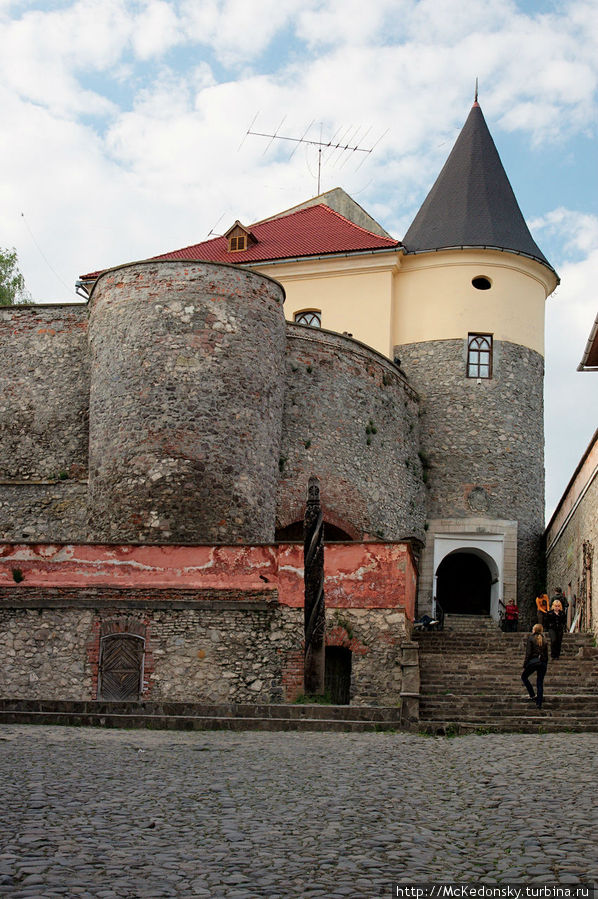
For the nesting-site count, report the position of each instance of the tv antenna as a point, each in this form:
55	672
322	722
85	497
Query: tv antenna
343	142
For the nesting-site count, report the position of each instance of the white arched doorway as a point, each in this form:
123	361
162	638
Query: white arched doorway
468	574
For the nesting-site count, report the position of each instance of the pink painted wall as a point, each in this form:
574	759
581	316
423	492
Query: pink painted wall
358	575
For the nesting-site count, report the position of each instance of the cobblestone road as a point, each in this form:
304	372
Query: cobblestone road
129	814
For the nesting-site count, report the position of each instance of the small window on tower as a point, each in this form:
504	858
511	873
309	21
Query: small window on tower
311	317
479	356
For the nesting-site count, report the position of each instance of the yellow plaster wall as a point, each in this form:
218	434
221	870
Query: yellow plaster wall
353	295
435	300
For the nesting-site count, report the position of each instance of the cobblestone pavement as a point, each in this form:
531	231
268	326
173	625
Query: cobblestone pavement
99	813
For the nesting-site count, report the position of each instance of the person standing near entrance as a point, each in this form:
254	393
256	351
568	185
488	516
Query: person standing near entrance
536	659
542	606
511	616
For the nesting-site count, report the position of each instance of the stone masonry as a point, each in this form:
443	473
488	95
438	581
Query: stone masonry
186	403
482	443
352	418
202	418
196	649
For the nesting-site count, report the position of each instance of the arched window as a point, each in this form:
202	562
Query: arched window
311	317
479	356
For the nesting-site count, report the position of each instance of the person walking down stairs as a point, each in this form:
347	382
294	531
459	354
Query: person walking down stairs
555	622
536	659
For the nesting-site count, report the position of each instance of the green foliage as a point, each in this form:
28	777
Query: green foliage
317	699
12	282
341	621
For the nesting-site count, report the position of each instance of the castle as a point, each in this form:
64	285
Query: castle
158	440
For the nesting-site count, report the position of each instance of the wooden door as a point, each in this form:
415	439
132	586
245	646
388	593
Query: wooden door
121	667
338	674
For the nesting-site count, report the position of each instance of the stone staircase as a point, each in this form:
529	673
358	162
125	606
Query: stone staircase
197	716
470	680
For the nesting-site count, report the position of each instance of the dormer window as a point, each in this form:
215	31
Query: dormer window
238	243
239	238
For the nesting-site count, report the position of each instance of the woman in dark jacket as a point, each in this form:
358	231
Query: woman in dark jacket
536	659
555	622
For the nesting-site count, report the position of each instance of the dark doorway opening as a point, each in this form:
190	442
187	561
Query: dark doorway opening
121	667
337	678
293	532
463	583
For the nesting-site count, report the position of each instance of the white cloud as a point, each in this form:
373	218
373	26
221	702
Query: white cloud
571	396
157	29
237	31
578	231
161	171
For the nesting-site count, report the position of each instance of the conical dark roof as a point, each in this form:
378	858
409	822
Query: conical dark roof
472	203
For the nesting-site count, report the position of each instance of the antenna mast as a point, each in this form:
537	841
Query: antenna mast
334	143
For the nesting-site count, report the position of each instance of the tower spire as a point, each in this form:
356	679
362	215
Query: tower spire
472	203
475	99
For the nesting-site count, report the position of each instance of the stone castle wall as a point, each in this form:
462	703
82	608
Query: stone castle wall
197	647
43	510
186	403
572	546
483	443
350	418
202	415
44	392
44	401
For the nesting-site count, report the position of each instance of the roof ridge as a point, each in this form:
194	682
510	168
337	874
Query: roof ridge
328	209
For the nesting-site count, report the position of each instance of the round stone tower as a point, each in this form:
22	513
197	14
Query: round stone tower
469	330
187	380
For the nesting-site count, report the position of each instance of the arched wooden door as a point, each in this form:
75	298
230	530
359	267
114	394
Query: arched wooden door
121	667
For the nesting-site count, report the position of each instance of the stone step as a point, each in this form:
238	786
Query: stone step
469	700
484	634
493	675
200	716
492	712
468	623
533	724
194	723
466	676
472	676
571	650
496	688
494	664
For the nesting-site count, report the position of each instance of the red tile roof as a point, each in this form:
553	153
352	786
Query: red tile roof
314	231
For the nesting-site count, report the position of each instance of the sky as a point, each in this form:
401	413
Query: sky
124	135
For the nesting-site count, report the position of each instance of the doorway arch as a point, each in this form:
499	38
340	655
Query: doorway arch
464	583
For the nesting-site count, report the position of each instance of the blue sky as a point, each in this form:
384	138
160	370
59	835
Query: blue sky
123	119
